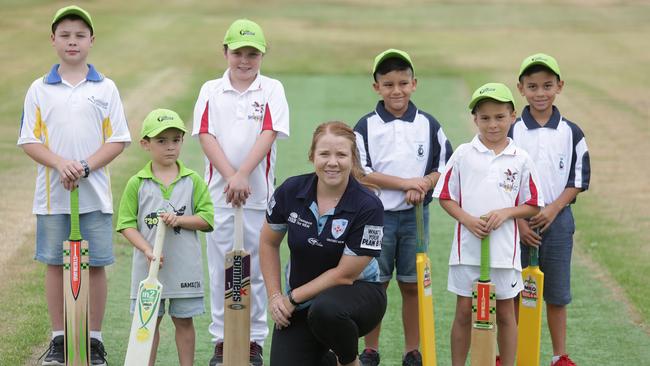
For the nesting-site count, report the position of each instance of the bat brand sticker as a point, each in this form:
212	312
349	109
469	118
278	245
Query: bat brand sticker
372	236
529	293
338	227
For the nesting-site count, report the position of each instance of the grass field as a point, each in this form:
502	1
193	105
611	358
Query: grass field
159	54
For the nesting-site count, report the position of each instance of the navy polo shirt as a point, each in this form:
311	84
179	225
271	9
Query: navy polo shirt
316	243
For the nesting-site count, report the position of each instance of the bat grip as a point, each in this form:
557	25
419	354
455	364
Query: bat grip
534	256
485	259
239	228
75	234
157	248
419	224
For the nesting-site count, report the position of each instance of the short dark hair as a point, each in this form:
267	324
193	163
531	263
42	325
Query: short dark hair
71	17
535	69
392	64
478	104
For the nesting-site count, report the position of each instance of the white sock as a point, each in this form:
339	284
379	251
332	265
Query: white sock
97	335
56	333
555	359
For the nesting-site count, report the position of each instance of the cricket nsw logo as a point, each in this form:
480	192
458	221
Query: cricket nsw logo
338	227
509	183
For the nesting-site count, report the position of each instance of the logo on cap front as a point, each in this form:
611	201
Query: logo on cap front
539	58
246	32
164	118
486	89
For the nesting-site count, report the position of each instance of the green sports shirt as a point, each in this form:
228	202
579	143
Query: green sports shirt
143	198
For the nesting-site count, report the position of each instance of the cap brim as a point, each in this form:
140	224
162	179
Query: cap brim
157	131
474	102
237	45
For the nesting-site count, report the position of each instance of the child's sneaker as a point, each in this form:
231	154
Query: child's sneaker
54	353
256	354
369	357
498	363
413	358
217	358
97	353
564	361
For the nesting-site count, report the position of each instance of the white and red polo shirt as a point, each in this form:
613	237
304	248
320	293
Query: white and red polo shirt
236	120
480	182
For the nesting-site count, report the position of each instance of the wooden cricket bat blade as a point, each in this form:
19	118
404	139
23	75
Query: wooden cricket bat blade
145	315
237	300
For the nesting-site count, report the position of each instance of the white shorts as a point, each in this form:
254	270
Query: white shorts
507	281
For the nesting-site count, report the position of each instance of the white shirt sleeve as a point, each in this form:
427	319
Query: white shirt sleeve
530	191
201	118
276	115
448	186
119	128
31	114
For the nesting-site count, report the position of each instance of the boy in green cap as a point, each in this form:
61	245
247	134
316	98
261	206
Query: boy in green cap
559	148
165	192
237	119
73	126
403	150
499	184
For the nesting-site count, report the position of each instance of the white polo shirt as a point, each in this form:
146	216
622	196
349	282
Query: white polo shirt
236	120
411	146
481	182
559	150
73	121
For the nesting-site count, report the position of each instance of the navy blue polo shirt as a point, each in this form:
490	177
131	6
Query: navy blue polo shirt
316	243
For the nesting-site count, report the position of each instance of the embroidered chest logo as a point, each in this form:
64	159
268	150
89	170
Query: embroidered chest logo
561	164
338	227
419	150
509	183
98	102
258	111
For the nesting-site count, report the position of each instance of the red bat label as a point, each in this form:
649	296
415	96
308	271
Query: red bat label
75	268
483	302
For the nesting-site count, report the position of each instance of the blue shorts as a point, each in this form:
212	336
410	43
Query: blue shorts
555	258
398	247
183	308
96	228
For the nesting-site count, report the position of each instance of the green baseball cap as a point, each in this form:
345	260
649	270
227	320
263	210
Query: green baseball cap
390	53
540	59
496	91
159	120
244	32
73	10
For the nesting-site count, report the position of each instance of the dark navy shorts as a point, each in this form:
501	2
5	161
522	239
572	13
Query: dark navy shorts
555	258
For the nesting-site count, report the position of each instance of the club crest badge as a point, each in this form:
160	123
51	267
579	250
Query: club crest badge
419	150
509	184
338	227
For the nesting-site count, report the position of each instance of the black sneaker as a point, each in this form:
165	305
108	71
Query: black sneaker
54	354
413	358
256	354
97	353
369	357
217	358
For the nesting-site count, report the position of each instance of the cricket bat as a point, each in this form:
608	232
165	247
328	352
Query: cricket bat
237	318
530	312
145	316
425	293
76	285
483	346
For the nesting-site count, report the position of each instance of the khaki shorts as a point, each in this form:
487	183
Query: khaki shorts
508	282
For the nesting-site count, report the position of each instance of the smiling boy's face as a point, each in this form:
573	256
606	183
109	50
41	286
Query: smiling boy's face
493	120
395	88
72	41
540	89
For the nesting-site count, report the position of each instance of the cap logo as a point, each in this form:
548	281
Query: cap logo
246	32
485	90
164	118
539	58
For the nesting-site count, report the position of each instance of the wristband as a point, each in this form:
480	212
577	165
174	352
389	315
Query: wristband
291	299
84	164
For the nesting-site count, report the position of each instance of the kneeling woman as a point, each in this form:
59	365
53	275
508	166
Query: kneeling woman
335	227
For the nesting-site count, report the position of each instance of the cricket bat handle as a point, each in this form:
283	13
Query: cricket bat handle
161	228
239	228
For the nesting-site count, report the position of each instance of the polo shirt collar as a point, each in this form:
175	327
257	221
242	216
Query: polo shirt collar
53	77
511	149
386	116
532	124
255	85
347	201
147	171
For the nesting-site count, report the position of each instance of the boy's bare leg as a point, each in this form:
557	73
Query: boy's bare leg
54	295
556	318
154	344
461	331
98	294
185	339
507	331
410	316
371	339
